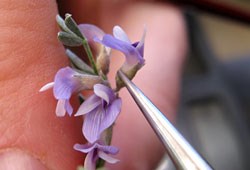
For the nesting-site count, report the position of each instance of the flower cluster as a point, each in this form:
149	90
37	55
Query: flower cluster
100	110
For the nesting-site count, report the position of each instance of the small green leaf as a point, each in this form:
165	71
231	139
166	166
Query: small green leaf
71	24
80	64
69	39
61	24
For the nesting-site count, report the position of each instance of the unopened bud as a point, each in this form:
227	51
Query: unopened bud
88	81
103	60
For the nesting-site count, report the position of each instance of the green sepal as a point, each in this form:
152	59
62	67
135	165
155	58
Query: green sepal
130	75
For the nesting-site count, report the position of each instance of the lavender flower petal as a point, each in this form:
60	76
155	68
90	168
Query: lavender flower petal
68	107
92	123
101	110
133	51
68	81
133	57
47	86
112	42
104	92
107	158
120	34
90	31
107	149
88	147
140	45
100	119
88	105
65	83
96	150
60	108
90	161
85	148
111	114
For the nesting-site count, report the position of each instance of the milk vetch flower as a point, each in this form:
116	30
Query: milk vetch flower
100	110
68	81
95	151
132	51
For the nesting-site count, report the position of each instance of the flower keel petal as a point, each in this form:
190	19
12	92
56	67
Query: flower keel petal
60	108
89	105
107	158
104	92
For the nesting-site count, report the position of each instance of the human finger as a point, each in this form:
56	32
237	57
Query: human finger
32	137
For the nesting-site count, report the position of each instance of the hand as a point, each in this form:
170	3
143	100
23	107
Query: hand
32	137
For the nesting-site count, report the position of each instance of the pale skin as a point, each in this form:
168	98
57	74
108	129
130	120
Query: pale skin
30	55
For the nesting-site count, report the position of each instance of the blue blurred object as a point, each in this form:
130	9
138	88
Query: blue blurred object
214	110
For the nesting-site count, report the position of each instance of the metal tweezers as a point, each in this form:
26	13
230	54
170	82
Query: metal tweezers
182	154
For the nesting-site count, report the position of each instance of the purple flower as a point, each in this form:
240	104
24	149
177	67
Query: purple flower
100	110
67	81
95	151
132	51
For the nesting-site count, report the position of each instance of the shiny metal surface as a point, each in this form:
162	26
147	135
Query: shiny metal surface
180	151
165	164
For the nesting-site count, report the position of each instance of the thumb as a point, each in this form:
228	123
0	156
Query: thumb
31	135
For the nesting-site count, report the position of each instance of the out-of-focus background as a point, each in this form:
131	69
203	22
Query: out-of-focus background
214	114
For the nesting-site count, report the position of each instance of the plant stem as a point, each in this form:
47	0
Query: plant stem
90	55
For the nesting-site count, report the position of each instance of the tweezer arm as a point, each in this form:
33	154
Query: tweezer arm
180	151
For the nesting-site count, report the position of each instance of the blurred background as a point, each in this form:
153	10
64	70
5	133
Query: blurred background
214	113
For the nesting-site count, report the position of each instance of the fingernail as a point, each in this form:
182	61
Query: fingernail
18	160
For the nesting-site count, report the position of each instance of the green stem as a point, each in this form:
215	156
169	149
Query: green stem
109	133
90	55
104	77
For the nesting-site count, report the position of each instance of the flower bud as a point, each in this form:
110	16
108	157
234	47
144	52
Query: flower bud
101	52
103	60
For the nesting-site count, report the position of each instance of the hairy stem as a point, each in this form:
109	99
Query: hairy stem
90	55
